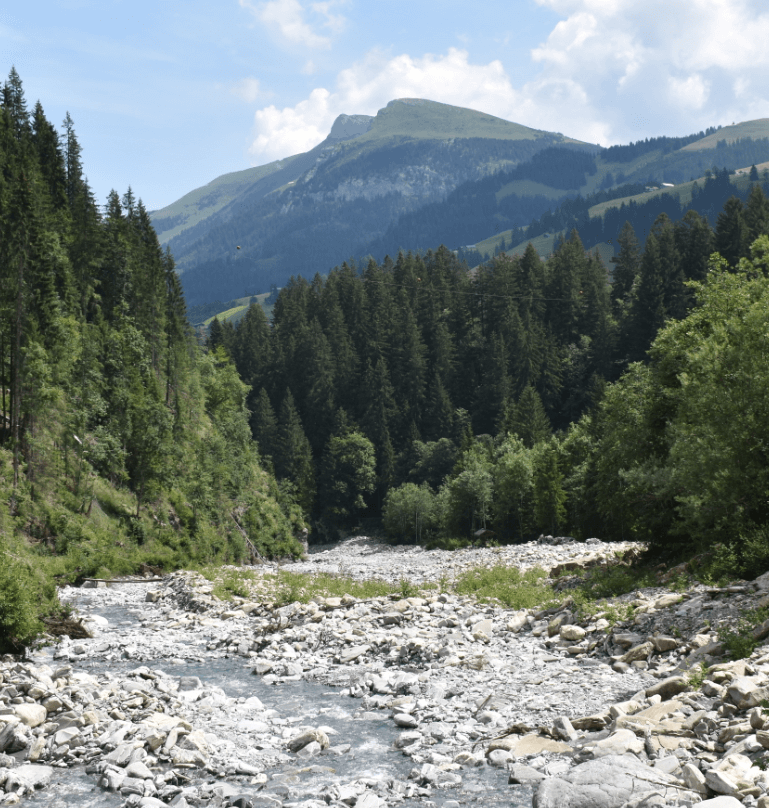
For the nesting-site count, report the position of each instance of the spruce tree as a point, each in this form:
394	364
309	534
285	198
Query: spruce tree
293	455
627	264
732	235
264	425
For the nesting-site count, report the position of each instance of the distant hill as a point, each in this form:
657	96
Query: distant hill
310	212
420	174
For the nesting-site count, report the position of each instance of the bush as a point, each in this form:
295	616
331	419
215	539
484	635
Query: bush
19	624
410	512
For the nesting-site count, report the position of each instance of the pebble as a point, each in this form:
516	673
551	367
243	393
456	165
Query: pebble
537	693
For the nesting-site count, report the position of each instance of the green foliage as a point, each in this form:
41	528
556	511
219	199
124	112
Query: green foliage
615	580
233	583
411	512
697	676
349	474
739	641
19	607
123	445
303	587
508	585
406	589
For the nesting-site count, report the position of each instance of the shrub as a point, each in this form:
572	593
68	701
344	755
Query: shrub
19	623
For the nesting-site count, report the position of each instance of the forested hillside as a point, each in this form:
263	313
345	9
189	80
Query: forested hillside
122	445
458	400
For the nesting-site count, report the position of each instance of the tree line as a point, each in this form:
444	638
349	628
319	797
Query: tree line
105	396
428	377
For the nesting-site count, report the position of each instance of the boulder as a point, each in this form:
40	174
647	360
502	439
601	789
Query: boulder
31	714
669	687
609	782
307	737
572	633
621	742
638	652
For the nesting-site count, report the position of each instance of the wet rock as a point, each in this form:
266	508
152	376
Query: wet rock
609	782
309	736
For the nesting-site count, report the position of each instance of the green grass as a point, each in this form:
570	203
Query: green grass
302	587
202	202
754	129
236	313
739	641
507	585
528	188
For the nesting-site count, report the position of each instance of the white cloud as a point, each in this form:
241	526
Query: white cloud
289	18
677	64
610	71
368	85
248	89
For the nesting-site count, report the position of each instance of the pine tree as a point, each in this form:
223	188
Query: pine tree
72	161
731	239
627	264
264	425
694	242
527	419
16	106
757	214
293	455
50	157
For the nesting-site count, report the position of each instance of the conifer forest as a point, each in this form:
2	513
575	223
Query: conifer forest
522	396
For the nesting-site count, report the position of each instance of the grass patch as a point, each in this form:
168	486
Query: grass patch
508	585
302	587
698	675
739	642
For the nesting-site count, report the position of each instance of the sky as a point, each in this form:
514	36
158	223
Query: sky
169	94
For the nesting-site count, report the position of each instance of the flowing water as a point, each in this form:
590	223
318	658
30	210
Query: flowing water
292	782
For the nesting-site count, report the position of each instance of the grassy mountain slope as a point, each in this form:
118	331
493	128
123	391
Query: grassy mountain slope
344	193
754	130
203	202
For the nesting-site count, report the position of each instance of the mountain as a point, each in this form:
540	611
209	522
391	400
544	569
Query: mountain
311	211
420	174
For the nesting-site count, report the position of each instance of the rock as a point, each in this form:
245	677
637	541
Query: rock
564	729
609	782
31	714
572	633
591	723
620	742
138	769
31	776
309	736
720	782
694	778
369	800
638	652
662	644
521	774
499	758
517	621
720	802
535	744
669	687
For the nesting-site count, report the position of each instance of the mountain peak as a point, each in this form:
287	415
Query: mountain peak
347	127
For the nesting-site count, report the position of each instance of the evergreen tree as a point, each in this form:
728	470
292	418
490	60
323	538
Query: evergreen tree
264	425
527	419
757	214
731	238
627	264
293	455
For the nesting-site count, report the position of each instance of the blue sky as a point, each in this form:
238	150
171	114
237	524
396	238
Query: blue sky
169	94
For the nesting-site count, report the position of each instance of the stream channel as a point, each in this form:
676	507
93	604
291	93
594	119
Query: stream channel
361	742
